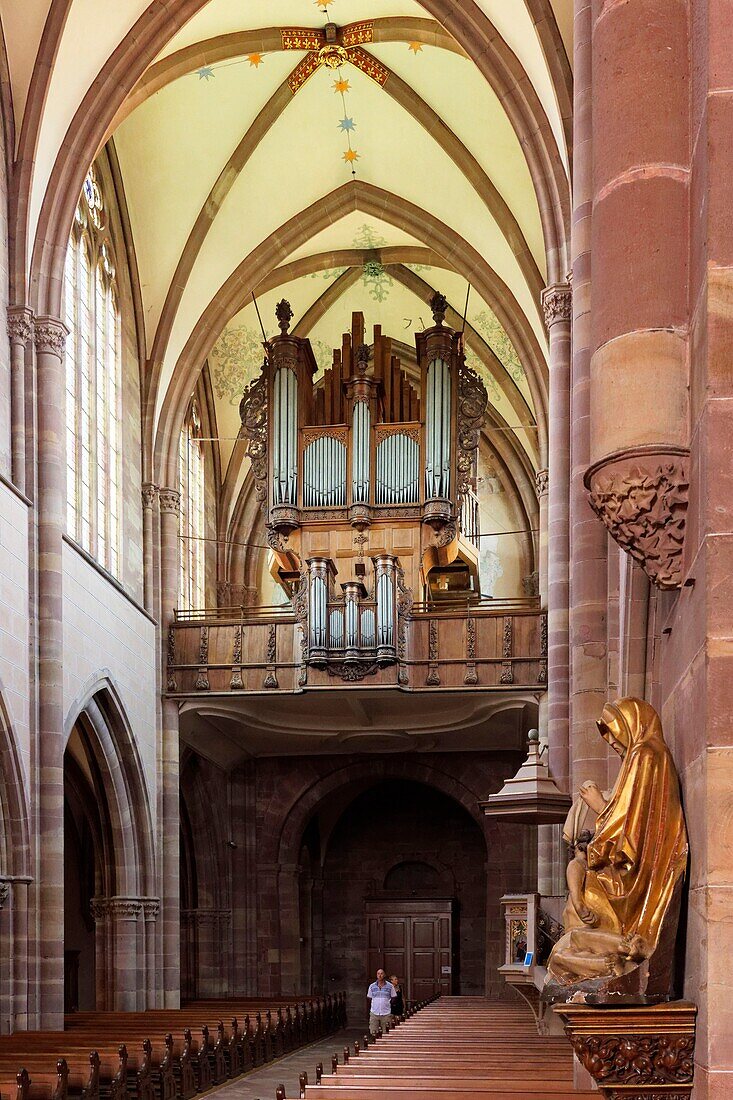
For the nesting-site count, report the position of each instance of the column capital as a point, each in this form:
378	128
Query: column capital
170	501
151	908
20	325
557	304
125	908
149	493
49	335
542	482
99	908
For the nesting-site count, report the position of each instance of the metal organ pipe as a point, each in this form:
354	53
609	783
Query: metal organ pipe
385	570
360	440
285	437
318	607
437	430
398	458
324	473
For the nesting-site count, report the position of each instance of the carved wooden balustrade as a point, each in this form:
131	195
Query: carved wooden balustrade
488	645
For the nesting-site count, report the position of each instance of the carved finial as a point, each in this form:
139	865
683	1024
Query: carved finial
439	305
533	737
284	315
362	358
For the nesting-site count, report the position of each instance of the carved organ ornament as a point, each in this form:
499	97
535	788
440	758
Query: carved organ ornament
368	446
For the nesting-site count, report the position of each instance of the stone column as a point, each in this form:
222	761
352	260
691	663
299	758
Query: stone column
639	459
151	908
50	339
545	833
20	331
99	908
125	915
556	303
588	537
20	950
170	511
150	501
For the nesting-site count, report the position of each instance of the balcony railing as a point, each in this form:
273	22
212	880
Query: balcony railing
485	645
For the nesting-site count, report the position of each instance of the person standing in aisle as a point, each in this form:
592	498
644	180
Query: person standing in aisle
380	994
398	1000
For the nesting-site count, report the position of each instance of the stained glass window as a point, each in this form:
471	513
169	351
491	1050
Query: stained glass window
93	382
191	483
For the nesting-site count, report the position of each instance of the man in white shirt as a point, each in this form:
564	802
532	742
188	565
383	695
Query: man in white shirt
380	993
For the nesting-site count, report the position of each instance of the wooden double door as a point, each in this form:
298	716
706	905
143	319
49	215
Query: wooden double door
412	938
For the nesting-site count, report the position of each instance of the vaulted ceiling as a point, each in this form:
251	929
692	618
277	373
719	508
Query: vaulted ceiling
249	165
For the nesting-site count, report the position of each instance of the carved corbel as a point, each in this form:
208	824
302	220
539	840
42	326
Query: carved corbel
639	1053
641	496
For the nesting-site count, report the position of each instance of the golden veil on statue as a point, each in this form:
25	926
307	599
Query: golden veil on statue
625	878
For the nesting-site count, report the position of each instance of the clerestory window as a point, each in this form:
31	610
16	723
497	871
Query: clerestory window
192	587
93	382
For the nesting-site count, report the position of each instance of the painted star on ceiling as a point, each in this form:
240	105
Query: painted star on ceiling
350	156
255	59
323	4
342	86
346	124
206	73
416	47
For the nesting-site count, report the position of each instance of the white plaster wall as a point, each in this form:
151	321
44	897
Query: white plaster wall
106	635
14	663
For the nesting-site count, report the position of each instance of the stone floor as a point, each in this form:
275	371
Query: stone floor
261	1083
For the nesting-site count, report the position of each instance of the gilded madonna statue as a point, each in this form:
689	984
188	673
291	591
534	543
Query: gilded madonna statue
625	877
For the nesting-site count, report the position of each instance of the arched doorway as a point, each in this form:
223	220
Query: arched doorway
382	846
109	913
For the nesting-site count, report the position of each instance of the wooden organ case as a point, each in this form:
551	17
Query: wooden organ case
367	481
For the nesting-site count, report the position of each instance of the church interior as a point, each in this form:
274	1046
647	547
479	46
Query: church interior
366	562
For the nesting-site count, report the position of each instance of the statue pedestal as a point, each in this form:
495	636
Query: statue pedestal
643	1052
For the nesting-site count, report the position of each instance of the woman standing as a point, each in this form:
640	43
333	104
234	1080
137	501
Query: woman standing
398	1001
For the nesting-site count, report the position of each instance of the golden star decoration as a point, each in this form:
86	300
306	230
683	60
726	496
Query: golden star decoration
350	156
416	47
255	59
342	86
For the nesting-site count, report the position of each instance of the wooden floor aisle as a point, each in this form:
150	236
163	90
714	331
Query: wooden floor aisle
455	1047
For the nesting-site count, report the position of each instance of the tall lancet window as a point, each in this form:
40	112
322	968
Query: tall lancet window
191	481
93	382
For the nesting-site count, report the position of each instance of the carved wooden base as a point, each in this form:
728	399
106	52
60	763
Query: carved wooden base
635	1053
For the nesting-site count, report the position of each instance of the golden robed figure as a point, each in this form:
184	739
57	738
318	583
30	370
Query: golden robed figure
625	877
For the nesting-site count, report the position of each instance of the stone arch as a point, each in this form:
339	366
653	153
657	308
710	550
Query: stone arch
102	762
116	755
206	909
14	835
296	818
15	880
468	24
368	199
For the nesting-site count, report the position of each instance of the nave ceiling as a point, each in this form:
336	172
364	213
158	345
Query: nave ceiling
237	176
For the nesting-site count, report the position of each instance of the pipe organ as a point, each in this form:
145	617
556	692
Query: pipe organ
367	479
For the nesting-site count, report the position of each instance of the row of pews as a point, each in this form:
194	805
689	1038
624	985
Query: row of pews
455	1047
164	1054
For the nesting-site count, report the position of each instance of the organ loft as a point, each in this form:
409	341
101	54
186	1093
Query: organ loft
366	478
357	532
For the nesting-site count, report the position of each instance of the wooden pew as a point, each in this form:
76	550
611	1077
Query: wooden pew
458	1047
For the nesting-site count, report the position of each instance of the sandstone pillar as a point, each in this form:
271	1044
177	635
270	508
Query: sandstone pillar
50	340
125	915
170	927
556	302
151	908
545	833
695	643
588	537
20	332
150	500
639	465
